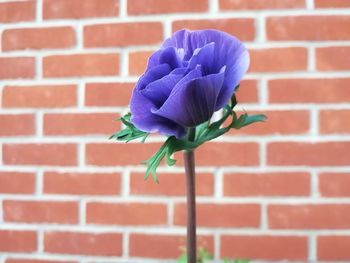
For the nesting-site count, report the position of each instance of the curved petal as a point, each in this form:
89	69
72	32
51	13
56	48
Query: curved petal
235	70
203	56
197	99
153	74
159	90
144	120
170	56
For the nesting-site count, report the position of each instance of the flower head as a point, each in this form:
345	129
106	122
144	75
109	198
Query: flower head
191	76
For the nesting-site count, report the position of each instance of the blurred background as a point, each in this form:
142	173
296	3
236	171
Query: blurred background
279	190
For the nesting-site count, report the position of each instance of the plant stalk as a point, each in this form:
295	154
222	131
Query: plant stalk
191	201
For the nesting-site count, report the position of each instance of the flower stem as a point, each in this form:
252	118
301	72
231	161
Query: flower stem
191	201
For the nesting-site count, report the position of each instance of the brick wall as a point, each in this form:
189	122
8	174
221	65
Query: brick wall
278	190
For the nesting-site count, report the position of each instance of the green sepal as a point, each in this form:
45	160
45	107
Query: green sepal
130	132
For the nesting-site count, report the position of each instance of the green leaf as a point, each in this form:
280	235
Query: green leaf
130	132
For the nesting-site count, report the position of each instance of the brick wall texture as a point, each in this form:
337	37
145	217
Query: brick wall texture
273	191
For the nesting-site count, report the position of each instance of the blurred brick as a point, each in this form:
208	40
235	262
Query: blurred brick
123	34
138	214
38	38
147	7
76	9
17	11
267	184
80	243
17	183
19	241
40	212
40	96
17	67
82	183
260	5
307	28
269	248
17	124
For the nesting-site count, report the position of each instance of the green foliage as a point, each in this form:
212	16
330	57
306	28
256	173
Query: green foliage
203	255
203	133
130	132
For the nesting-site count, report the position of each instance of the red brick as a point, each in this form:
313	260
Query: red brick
312	154
82	183
248	91
259	5
17	67
126	214
15	260
18	241
94	244
40	212
17	183
265	247
108	94
221	215
334	184
308	28
138	62
17	11
54	9
40	154
81	65
242	28
123	34
332	3
108	154
278	122
170	184
225	154
163	246
333	248
309	216
333	58
146	7
41	96
80	123
278	59
38	38
332	121
17	124
267	184
330	90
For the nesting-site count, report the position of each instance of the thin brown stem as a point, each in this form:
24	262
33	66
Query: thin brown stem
191	202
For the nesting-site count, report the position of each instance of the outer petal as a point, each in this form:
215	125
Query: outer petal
170	56
159	90
151	75
197	99
236	68
203	56
144	120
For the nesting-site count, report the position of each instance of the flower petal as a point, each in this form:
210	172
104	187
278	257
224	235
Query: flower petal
159	90
170	56
153	74
203	56
144	120
197	99
229	52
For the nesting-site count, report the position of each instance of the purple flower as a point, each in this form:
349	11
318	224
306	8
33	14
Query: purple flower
193	75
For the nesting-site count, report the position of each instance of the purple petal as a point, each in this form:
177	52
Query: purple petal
153	74
203	56
229	52
159	90
197	99
144	120
170	56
